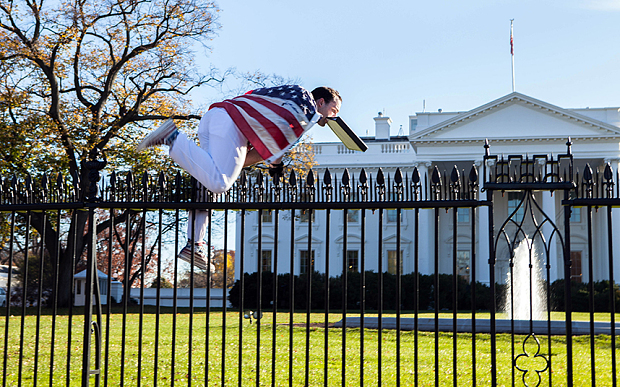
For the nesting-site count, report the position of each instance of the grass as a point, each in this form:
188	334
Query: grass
183	352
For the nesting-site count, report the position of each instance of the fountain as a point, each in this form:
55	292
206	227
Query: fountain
525	290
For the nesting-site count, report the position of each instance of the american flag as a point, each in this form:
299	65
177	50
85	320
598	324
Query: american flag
272	119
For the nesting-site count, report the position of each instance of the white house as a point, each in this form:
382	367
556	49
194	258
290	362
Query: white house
513	124
116	289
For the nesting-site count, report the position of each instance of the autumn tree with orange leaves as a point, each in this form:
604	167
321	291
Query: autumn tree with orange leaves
82	75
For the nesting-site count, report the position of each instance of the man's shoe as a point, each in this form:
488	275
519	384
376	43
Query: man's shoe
165	134
201	256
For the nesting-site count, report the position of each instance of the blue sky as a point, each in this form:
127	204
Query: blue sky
391	57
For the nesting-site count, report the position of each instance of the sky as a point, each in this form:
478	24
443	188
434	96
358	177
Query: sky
399	56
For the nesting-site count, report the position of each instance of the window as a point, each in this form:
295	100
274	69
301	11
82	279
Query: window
353	216
575	216
267	217
463	258
575	269
392	261
462	215
304	216
353	260
265	260
79	287
303	261
392	216
514	198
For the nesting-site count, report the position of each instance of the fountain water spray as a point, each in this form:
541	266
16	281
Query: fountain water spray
525	291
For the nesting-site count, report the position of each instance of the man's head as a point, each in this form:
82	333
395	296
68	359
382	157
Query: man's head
327	102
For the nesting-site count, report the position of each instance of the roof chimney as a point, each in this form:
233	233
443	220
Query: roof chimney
382	127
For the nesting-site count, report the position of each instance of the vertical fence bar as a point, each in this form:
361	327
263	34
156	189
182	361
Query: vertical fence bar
275	296
416	289
455	284
612	296
436	294
399	275
92	281
591	299
362	292
8	302
472	264
39	294
567	294
326	332
158	301
309	272
126	275
209	284
175	290
73	256
109	300
192	279
24	300
54	300
345	286
142	230
491	234
242	296
259	293
380	310
291	297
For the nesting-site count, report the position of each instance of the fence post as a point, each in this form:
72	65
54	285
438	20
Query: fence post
92	279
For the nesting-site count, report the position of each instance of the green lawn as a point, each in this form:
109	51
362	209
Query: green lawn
197	355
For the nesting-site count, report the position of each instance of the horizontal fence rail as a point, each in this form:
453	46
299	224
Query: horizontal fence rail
415	277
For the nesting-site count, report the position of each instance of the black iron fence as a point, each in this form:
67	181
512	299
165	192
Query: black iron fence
501	274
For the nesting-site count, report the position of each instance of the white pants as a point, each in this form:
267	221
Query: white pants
216	163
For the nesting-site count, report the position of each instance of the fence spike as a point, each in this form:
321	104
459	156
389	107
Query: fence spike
310	178
455	176
415	176
587	173
363	178
28	185
380	177
129	183
398	177
292	180
473	174
145	185
327	178
346	178
161	184
436	176
608	174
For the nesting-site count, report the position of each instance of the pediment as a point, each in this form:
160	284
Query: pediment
515	117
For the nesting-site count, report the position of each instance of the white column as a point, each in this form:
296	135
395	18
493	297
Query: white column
556	261
482	233
425	233
615	223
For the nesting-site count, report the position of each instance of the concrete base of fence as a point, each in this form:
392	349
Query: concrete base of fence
482	325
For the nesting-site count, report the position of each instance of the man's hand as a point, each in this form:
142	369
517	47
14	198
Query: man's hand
322	121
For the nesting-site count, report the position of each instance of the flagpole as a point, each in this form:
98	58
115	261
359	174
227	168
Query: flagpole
512	55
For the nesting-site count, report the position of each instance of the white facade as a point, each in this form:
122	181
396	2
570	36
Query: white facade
514	124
